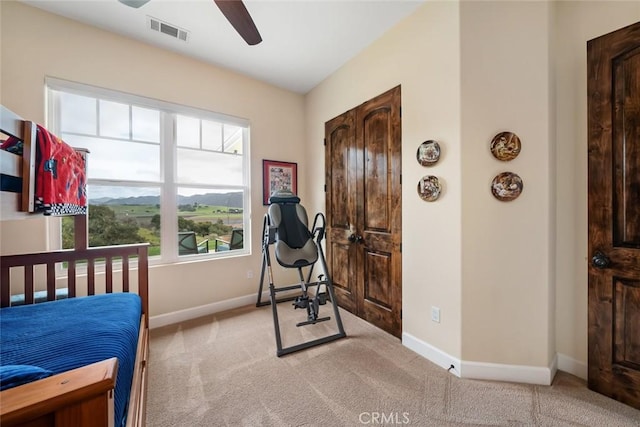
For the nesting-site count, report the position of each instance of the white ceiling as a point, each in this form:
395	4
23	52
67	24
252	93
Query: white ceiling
303	41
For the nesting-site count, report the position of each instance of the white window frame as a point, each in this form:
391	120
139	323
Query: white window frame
168	163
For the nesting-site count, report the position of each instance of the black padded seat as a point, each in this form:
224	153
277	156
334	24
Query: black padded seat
294	246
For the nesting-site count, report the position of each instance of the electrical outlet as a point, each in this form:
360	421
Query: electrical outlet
249	274
435	314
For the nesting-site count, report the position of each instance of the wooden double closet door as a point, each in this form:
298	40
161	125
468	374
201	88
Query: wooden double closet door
363	206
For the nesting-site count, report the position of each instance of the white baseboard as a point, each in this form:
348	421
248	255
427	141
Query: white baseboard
511	373
431	353
481	370
203	310
572	366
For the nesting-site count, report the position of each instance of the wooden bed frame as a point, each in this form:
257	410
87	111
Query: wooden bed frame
21	167
83	396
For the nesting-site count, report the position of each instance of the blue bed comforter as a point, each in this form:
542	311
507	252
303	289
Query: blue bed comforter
62	335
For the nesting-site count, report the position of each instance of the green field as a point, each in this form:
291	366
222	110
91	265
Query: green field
120	224
201	213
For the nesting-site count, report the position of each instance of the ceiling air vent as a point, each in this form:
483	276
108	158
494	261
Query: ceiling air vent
168	29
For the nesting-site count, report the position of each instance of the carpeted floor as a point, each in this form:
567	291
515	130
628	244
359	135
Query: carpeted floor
221	370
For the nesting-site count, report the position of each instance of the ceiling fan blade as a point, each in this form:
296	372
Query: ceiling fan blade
237	14
134	3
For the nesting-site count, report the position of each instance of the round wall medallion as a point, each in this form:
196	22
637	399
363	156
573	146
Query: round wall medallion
505	146
429	188
506	186
428	153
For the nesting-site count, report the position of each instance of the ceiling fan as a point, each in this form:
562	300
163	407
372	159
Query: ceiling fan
235	12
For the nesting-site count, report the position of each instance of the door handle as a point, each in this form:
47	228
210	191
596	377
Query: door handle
356	239
600	260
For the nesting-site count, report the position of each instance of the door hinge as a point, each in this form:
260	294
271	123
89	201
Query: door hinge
400	179
325	188
400	112
325	142
400	314
400	247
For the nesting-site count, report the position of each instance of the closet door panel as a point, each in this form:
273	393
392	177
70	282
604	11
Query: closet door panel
378	135
375	137
340	207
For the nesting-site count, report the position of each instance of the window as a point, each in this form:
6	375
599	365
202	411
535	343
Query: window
174	176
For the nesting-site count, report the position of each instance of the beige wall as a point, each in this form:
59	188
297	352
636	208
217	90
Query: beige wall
36	44
506	246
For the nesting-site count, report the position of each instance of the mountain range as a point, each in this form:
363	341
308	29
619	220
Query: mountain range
232	200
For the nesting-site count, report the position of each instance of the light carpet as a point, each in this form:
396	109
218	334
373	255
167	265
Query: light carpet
221	370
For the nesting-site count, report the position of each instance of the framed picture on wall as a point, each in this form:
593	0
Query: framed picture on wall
278	176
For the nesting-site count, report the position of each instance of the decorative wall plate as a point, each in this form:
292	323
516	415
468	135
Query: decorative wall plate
506	186
429	188
505	146
428	153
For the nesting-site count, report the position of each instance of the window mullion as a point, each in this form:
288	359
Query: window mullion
168	205
130	122
246	159
97	130
222	138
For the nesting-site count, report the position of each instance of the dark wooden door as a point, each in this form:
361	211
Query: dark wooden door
341	201
613	62
364	219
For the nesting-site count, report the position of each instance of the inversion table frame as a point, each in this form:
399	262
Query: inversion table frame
318	232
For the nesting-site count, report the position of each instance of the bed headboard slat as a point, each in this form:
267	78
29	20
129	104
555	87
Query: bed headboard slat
71	279
91	277
28	283
125	274
51	281
5	289
109	274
